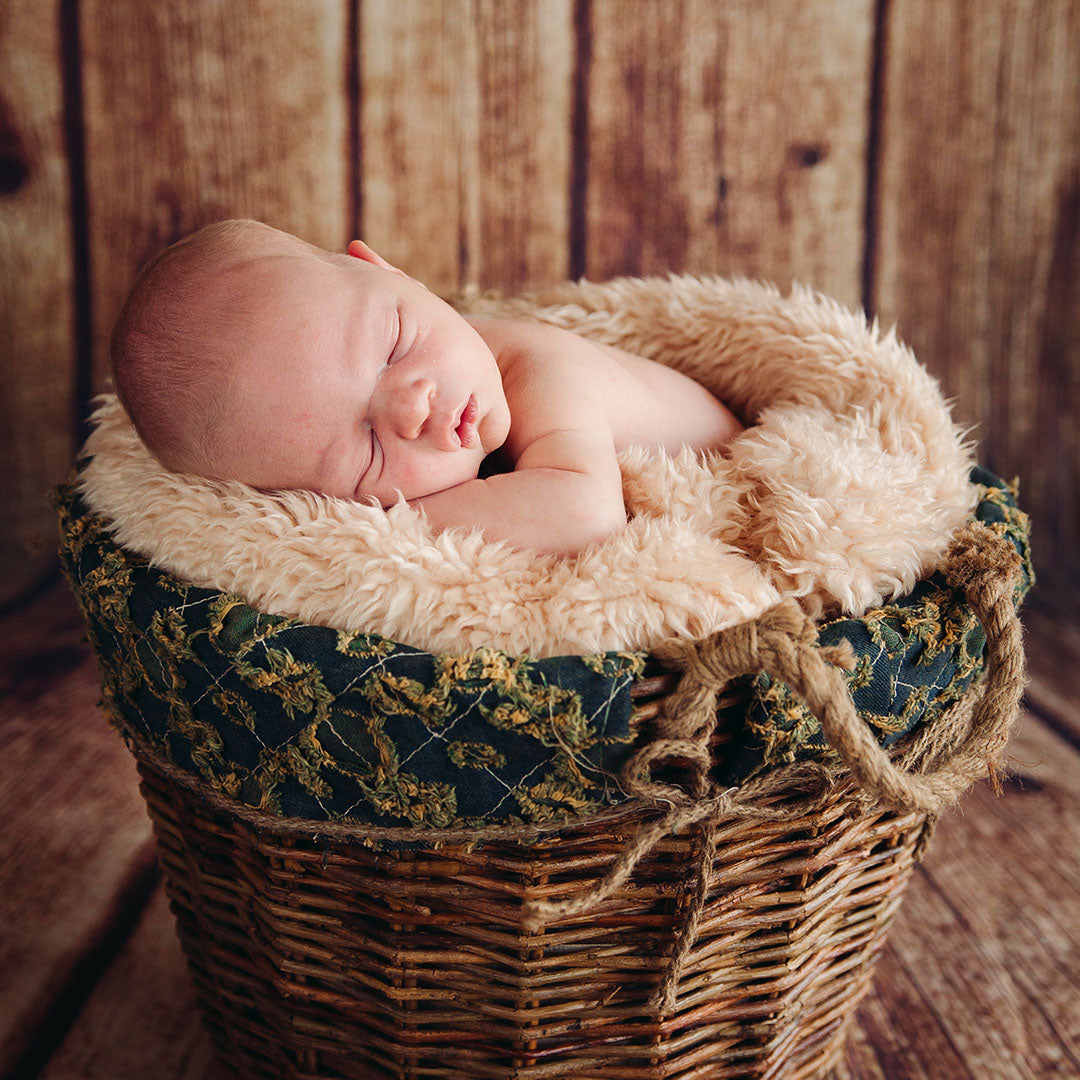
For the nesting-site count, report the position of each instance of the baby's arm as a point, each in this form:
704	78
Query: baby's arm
566	489
564	494
574	406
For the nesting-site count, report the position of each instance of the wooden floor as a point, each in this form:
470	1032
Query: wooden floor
980	979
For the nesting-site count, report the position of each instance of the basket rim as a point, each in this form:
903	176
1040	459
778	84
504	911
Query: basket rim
641	683
798	786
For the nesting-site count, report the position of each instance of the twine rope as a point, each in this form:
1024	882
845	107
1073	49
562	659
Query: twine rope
782	643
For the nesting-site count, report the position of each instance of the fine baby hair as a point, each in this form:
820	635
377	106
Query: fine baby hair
167	342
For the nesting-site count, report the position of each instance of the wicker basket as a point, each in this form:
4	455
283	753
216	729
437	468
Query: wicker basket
316	956
695	932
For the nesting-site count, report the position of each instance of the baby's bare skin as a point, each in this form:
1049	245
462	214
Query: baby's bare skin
340	374
574	405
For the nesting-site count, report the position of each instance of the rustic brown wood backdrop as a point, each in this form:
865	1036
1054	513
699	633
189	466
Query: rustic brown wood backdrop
917	157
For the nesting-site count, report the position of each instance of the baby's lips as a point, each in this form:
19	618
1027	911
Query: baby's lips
466	425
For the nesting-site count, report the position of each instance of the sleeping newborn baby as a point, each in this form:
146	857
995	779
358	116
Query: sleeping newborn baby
245	353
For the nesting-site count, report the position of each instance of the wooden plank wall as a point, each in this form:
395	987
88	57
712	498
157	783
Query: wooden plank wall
37	325
977	240
920	158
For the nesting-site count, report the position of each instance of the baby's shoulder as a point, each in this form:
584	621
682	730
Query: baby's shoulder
553	381
531	353
523	338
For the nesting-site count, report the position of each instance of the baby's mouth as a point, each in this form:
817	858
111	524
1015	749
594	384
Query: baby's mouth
466	425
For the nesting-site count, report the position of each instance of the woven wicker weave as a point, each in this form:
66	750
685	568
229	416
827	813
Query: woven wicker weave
321	957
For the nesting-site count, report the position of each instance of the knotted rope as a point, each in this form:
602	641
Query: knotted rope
782	643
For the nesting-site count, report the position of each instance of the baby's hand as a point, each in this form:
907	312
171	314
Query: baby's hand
564	494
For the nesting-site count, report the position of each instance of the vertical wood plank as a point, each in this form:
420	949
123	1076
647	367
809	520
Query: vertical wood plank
730	138
526	68
201	111
37	414
417	136
466	110
979	234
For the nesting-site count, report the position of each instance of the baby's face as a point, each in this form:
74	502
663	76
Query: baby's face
356	381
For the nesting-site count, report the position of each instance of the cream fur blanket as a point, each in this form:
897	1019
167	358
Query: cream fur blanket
842	493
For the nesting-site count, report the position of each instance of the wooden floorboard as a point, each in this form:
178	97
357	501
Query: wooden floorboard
1053	653
980	977
75	855
981	973
142	1024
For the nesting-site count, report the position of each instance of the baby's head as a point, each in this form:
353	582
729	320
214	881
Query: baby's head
245	353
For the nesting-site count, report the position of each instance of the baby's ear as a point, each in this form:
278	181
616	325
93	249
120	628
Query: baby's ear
359	250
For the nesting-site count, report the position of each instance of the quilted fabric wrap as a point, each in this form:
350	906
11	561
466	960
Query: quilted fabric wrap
316	723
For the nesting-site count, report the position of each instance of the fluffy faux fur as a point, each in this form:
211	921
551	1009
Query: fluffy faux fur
842	492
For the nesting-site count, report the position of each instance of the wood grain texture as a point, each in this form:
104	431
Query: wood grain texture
201	111
981	973
37	406
74	831
978	253
730	138
465	135
1054	669
142	1021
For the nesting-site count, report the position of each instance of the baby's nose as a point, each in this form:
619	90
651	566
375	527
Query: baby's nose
408	405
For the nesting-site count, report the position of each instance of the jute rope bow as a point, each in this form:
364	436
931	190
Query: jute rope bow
782	643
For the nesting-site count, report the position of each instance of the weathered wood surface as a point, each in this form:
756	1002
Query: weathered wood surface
200	111
729	138
38	410
1054	664
142	1020
466	139
75	848
978	222
980	976
981	973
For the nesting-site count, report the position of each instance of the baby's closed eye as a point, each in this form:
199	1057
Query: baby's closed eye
368	468
396	338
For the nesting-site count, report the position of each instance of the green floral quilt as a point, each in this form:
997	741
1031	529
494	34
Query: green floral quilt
316	723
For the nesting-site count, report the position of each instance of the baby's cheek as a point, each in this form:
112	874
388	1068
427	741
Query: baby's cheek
409	478
445	471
